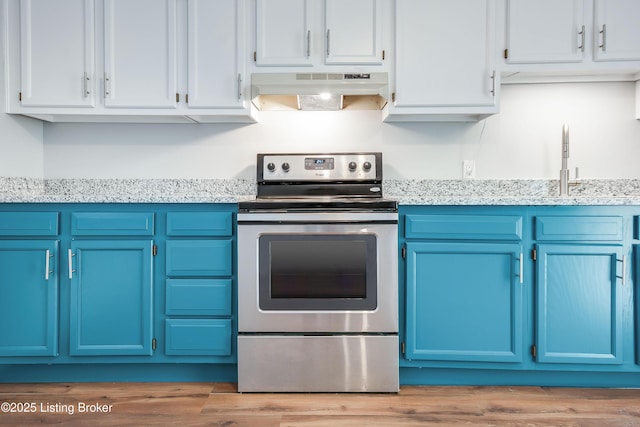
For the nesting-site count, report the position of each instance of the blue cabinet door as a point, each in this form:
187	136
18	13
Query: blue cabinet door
636	280
464	302
110	297
578	305
28	298
190	258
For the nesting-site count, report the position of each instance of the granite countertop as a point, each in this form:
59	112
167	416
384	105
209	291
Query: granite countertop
406	192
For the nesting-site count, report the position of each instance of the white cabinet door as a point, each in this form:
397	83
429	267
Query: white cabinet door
283	32
353	32
545	31
617	30
444	53
140	54
216	37
57	53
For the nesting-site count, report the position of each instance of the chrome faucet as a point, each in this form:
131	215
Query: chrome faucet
565	180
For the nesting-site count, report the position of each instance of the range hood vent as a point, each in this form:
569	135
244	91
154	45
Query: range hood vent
319	91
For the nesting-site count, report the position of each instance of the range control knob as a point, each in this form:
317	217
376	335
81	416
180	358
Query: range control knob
366	166
271	166
352	166
286	167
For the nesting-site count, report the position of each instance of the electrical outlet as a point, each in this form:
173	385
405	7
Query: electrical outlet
468	169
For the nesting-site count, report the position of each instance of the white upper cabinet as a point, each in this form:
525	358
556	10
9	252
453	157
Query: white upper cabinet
216	40
171	61
545	31
283	32
444	60
57	66
353	32
305	33
140	66
617	30
570	40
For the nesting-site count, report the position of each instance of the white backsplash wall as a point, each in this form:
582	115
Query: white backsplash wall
522	142
21	150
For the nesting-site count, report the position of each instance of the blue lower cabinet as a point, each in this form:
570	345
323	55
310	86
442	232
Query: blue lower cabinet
110	297
198	337
207	257
28	297
636	280
198	297
579	304
464	302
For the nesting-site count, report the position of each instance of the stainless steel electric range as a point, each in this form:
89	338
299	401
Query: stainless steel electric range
318	277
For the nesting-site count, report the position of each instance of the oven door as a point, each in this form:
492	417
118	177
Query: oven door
318	273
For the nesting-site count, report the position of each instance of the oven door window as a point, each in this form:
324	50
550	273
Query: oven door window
318	272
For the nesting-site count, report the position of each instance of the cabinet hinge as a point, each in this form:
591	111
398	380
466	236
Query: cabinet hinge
153	344
534	351
20	96
404	252
177	97
506	53
534	254
154	250
402	347
255	56
383	55
393	97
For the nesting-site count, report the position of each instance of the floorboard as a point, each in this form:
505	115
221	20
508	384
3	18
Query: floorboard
219	404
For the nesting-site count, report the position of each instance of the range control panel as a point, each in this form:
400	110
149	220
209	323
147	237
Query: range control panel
320	167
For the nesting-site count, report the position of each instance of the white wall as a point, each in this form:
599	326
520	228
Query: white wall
522	142
21	150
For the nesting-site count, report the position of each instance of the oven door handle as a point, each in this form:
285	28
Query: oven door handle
293	222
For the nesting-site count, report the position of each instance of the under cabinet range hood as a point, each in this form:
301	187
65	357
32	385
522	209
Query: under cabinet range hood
319	91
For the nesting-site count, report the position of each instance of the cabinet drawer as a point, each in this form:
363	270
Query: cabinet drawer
601	228
199	223
191	258
112	224
198	297
198	337
464	227
28	223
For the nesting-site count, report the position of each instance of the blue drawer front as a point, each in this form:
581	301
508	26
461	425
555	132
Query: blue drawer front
199	224
562	228
28	223
189	258
112	224
198	297
198	337
464	227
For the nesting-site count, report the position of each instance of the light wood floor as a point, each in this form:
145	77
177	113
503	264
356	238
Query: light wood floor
218	404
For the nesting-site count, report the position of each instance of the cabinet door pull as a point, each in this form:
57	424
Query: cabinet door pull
239	86
603	45
624	269
521	268
71	270
493	83
107	85
328	42
581	33
85	82
308	43
47	255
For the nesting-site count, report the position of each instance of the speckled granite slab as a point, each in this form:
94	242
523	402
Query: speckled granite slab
128	191
407	192
20	187
512	192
